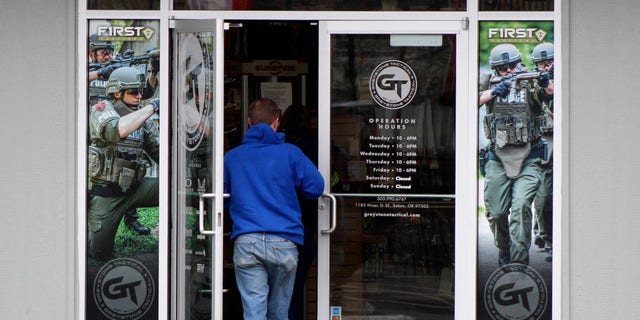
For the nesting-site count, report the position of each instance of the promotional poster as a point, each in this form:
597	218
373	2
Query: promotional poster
515	101
122	159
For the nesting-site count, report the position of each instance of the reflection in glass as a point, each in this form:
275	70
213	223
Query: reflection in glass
393	267
392	169
420	137
123	5
195	163
516	5
323	5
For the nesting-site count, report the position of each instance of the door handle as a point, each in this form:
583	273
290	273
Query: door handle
333	204
201	212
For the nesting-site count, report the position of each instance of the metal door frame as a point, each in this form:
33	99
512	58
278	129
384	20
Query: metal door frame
216	27
465	190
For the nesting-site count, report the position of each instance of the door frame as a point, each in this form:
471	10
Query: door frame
466	126
216	27
465	179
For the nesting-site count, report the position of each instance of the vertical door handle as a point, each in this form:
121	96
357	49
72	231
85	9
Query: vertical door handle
201	213
333	204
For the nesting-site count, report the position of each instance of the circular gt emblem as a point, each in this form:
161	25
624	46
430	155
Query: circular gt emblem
195	96
515	292
393	84
123	289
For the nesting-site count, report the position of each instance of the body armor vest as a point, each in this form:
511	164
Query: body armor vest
511	120
97	87
123	164
97	91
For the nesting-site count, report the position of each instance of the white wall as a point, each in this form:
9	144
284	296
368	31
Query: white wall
37	135
37	159
604	168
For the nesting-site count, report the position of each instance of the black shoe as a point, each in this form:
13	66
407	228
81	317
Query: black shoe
549	256
539	242
138	228
504	257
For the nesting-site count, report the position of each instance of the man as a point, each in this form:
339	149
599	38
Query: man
263	176
100	54
100	67
102	63
515	150
542	56
121	138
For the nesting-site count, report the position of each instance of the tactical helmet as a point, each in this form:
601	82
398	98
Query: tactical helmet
542	52
96	44
504	54
125	78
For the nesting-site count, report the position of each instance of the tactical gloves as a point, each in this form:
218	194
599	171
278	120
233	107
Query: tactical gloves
543	80
155	66
156	105
105	72
501	89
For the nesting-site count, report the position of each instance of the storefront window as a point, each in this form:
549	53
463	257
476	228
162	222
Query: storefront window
323	5
123	5
516	5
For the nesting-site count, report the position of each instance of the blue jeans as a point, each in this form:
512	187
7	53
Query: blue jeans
265	268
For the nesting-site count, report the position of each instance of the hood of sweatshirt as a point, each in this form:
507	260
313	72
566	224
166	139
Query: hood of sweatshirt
263	133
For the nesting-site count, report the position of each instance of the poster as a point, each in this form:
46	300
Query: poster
515	100
122	160
280	92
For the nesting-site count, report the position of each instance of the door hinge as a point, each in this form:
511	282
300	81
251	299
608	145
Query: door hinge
465	23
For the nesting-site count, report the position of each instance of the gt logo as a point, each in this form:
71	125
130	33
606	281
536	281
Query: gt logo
124	289
393	84
112	289
506	297
396	85
516	291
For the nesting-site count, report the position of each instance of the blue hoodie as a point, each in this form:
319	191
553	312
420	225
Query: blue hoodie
262	176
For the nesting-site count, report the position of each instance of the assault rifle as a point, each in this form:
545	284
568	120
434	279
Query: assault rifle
127	58
517	77
516	82
124	59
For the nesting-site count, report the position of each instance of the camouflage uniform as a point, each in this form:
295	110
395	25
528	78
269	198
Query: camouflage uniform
543	202
117	170
513	170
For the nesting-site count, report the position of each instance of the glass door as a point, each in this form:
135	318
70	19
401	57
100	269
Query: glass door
272	59
197	198
389	104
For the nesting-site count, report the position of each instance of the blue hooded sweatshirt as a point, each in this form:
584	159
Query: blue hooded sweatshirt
262	176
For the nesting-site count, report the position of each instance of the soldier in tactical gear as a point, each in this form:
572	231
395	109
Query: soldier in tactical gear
102	63
100	54
542	56
122	143
515	151
101	66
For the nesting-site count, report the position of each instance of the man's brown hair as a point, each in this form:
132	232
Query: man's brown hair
263	110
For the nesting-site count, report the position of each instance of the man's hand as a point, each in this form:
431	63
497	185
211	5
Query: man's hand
501	89
543	80
155	66
105	72
156	105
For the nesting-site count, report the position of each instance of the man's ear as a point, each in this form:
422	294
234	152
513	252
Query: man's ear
249	122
